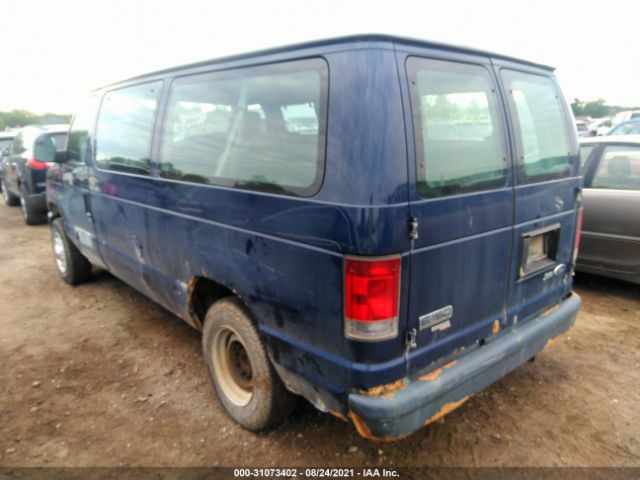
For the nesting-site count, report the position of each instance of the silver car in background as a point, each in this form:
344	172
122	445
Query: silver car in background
610	244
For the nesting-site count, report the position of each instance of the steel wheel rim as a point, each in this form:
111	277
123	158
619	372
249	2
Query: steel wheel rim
23	206
232	367
59	253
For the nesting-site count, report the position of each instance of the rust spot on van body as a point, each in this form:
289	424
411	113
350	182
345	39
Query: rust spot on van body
446	408
496	327
550	310
385	390
365	431
552	341
431	376
338	415
188	305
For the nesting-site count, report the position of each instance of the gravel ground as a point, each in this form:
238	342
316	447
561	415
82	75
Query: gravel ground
97	375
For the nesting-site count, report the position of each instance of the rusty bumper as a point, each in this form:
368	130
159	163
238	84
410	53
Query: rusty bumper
424	400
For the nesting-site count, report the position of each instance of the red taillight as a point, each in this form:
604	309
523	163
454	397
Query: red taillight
36	164
576	245
372	290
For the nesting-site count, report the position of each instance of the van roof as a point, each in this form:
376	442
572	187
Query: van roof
360	38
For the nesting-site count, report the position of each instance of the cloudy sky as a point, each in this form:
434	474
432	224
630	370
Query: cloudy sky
55	51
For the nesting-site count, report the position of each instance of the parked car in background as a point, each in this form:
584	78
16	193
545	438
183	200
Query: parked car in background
582	128
610	244
5	142
599	126
24	168
384	259
625	116
632	127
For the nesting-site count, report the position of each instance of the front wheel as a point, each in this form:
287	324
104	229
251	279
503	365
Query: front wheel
245	381
72	266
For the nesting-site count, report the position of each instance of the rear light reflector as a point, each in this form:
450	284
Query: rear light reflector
37	164
372	291
576	245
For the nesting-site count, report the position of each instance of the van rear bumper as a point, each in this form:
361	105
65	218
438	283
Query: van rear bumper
424	400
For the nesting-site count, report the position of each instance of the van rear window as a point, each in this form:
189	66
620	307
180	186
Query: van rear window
542	140
458	133
260	128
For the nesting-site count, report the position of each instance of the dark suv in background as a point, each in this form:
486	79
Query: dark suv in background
5	142
24	168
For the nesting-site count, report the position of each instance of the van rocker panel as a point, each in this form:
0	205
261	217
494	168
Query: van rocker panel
427	398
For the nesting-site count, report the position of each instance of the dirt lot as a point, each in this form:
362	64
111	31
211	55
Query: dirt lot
98	375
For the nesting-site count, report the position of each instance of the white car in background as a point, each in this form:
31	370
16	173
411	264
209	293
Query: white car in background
625	116
600	126
582	128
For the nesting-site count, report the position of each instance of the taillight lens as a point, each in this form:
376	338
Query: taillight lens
36	164
576	245
372	289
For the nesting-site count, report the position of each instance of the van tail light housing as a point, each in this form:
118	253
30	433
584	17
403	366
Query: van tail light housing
371	298
576	245
36	164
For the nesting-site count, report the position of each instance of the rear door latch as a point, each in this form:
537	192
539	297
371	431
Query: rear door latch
411	339
413	228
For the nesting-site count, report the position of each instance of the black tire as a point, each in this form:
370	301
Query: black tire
255	398
73	267
9	198
29	213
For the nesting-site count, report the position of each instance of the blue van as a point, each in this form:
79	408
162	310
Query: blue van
380	225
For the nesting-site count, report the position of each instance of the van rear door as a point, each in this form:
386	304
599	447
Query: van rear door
547	188
461	197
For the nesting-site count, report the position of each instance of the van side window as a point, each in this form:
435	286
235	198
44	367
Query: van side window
260	128
542	140
125	128
81	125
459	137
619	168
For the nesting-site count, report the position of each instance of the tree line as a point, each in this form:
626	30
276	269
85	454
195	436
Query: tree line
20	118
596	108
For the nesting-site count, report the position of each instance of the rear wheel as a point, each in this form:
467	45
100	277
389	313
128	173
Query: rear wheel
72	266
246	383
9	198
30	214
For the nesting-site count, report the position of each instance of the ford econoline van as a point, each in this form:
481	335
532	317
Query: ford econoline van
380	225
